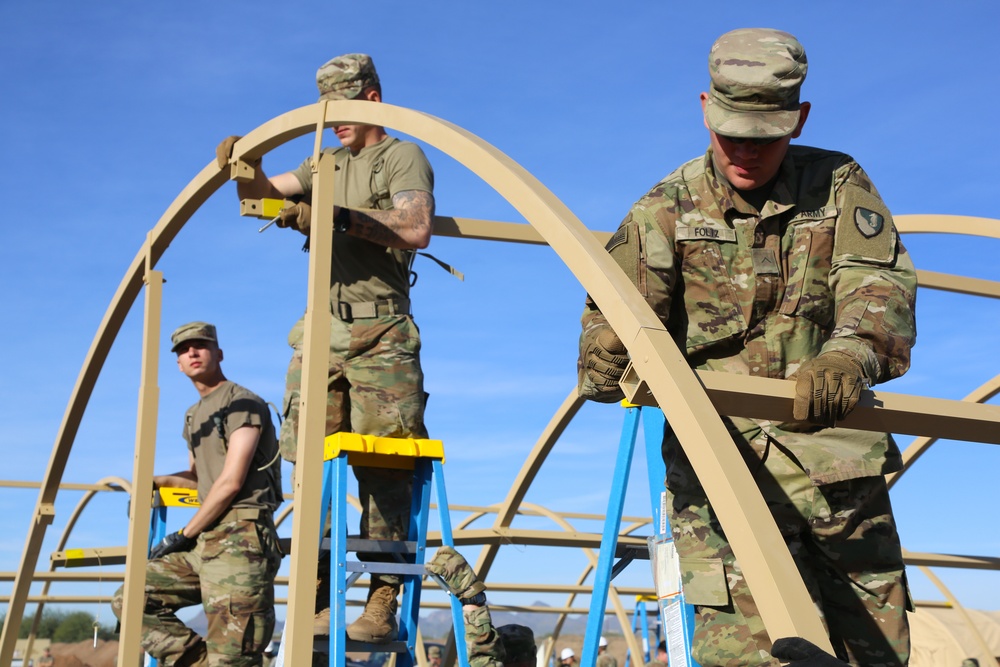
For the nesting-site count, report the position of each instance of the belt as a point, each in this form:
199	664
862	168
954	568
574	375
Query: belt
365	309
243	514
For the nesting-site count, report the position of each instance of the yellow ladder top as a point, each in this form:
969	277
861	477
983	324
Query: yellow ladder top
380	451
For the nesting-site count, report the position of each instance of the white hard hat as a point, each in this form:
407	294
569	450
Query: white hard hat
602	642
566	654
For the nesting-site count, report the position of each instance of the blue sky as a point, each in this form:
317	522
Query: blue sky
108	110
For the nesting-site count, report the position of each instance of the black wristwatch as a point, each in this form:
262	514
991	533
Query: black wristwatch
342	221
479	599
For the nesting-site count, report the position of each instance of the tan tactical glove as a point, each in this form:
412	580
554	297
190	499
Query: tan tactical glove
224	151
602	364
454	571
827	388
297	215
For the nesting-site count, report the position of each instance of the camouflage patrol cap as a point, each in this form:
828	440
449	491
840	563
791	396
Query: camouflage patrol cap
756	74
193	331
518	643
434	651
346	76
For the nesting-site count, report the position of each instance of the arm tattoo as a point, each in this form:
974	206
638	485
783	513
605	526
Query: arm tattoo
406	226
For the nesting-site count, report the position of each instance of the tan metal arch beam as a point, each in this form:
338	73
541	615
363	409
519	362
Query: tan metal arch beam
529	470
102	484
782	598
613	596
947	224
952	224
916	449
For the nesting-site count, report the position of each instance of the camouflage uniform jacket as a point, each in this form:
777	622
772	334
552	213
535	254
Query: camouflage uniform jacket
819	268
481	639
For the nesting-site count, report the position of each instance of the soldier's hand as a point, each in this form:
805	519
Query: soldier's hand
798	652
297	215
455	573
173	542
827	388
605	360
224	151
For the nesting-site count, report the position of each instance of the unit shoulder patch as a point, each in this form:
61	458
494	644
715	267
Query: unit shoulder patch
868	222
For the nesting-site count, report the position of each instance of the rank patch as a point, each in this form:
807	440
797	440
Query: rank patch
869	223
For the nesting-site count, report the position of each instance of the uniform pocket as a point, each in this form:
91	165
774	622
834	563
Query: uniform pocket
711	303
704	581
808	292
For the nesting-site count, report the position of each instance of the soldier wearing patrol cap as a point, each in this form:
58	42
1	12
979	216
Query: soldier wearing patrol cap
384	205
776	260
227	555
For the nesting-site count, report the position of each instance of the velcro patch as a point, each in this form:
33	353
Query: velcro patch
720	234
864	229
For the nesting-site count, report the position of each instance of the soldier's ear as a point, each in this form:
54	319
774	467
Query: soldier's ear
803	114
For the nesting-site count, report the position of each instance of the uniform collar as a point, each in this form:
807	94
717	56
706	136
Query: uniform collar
729	199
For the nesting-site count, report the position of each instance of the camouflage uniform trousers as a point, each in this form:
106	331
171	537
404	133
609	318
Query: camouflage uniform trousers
375	387
230	572
843	539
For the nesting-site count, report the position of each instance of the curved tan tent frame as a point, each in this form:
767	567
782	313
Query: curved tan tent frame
67	531
770	572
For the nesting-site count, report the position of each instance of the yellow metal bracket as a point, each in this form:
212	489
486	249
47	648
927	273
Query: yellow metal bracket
261	208
381	452
169	496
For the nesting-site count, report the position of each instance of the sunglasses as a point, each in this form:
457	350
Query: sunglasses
753	140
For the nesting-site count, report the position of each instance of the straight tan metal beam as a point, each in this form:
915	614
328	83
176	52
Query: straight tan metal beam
18	484
306	523
952	561
767	398
512	232
142	469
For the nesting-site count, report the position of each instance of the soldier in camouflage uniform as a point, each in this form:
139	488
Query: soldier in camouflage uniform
227	555
384	205
509	645
604	659
778	261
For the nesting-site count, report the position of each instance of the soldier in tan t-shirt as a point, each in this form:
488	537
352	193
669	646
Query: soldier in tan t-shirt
227	555
383	208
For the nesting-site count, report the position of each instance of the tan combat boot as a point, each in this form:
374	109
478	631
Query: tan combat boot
321	621
377	623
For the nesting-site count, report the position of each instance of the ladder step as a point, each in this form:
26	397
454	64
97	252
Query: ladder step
322	645
385	568
358	545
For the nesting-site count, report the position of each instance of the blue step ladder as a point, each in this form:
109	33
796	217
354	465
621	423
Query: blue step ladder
678	617
426	459
640	623
163	498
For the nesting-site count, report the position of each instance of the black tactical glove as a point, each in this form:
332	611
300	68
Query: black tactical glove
297	215
603	362
798	652
827	388
224	150
173	542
